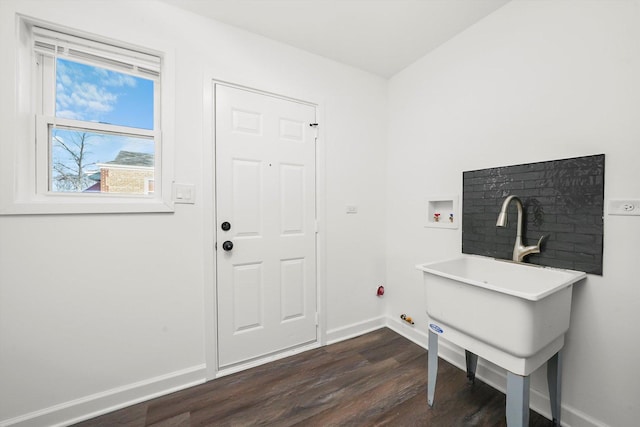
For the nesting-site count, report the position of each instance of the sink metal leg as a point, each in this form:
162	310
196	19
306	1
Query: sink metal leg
517	400
432	367
554	378
472	363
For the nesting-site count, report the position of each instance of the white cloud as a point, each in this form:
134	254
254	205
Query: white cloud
90	93
79	99
68	114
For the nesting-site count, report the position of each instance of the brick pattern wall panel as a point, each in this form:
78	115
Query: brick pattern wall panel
127	181
563	200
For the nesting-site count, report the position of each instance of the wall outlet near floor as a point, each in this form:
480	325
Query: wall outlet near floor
624	207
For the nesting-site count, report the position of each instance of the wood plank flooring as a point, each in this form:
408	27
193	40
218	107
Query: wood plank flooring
377	379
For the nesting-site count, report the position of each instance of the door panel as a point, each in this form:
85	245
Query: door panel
247	288
265	188
292	288
247	197
292	200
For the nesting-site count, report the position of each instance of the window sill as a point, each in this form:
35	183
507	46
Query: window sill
73	205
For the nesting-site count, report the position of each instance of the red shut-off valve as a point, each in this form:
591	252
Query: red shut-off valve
380	291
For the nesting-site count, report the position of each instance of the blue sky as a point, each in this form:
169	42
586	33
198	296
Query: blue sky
95	94
85	92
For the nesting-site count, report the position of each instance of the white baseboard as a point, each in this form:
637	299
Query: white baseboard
117	398
355	329
111	400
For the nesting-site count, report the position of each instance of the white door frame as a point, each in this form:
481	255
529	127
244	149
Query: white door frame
210	327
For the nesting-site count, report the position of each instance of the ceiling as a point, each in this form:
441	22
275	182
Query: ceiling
379	36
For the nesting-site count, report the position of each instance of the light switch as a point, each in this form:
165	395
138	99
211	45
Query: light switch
184	193
624	207
352	209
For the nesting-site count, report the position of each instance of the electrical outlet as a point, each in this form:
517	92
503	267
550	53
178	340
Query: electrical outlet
624	207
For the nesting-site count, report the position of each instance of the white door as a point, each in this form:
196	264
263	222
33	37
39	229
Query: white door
266	210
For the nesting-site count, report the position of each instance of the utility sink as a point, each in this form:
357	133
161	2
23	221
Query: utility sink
512	314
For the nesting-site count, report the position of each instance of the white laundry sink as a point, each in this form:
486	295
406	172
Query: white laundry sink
512	314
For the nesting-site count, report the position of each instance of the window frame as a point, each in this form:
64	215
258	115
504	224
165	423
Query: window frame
27	165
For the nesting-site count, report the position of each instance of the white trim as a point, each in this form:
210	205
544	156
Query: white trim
99	127
321	229
86	49
355	329
73	204
19	195
91	406
208	168
263	92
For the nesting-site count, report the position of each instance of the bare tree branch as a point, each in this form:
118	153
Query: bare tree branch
71	166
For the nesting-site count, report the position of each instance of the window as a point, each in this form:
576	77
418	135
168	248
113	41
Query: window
95	105
98	124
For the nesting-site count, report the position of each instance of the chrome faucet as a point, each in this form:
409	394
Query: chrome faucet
519	249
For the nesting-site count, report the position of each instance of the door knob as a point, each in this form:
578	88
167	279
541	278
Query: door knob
225	226
228	245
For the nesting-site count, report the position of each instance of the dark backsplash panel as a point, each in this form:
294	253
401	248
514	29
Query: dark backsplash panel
563	200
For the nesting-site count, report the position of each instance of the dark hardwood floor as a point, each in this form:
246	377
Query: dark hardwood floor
372	380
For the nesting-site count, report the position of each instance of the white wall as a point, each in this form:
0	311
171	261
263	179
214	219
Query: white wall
535	81
97	308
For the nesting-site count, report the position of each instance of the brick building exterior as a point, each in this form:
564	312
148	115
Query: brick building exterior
129	172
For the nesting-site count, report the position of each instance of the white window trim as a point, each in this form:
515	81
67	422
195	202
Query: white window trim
62	43
21	162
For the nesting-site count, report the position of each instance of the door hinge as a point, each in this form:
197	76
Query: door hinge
317	319
316	227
